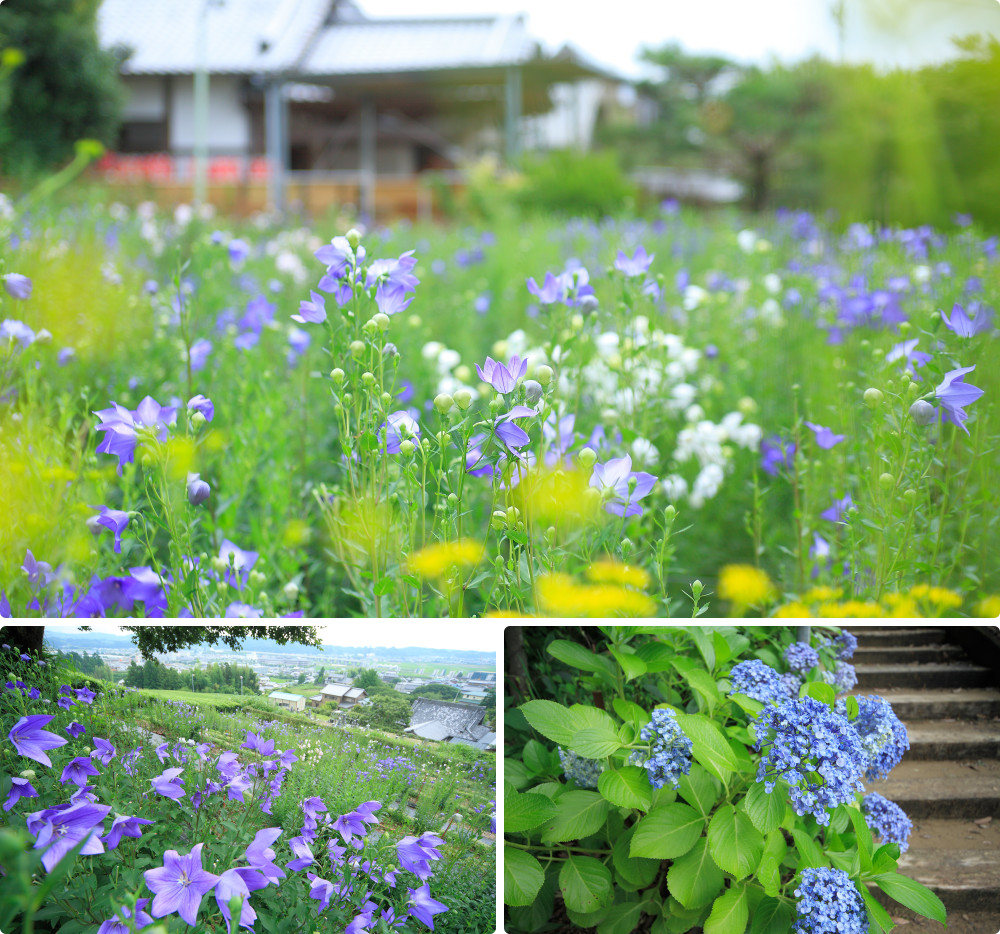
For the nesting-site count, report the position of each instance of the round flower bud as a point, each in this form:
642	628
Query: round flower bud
532	391
368	379
44	336
498	520
357	348
909	495
256	578
670	513
390	350
544	374
197	420
381	321
290	590
197	489
94	525
369	327
337	375
587	458
385	399
887	481
28	774
406	447
922	412
873	397
463	399
353	237
443	402
218	565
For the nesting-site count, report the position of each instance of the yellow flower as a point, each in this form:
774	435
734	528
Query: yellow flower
744	585
901	605
793	611
560	595
850	609
608	571
438	559
936	600
989	607
823	594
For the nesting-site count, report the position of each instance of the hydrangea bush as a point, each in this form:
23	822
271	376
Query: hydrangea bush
115	832
720	796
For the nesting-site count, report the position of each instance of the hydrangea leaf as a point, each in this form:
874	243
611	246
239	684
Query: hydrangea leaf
766	810
657	656
864	838
730	912
771	917
572	653
694	879
667	832
810	855
585	883
912	894
698	789
632	665
820	691
621	919
851	704
627	787
552	720
523	812
595	742
578	815
631	712
735	844
634	870
878	918
522	877
709	747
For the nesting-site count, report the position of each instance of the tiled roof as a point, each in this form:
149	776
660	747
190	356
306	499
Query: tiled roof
303	38
432	729
283	695
243	36
408	45
458	718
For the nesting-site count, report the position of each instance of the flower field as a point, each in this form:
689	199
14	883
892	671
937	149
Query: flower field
125	812
668	415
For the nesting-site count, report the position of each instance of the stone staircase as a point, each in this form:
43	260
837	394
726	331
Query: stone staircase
949	781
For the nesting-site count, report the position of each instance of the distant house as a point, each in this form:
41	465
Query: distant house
487	677
315	86
293	702
344	695
448	721
315	701
472	694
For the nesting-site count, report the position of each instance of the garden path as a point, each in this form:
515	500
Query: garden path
949	781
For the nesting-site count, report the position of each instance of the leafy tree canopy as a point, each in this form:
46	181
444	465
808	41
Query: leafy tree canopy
152	639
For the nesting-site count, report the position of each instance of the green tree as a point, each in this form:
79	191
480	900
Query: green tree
301	678
390	712
443	691
66	88
320	677
368	678
490	703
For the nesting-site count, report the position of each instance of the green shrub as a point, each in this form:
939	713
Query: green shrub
568	182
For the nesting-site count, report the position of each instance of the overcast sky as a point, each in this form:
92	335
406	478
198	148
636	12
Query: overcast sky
471	636
611	34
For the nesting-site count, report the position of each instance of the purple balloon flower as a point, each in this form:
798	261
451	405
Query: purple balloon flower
312	312
119	922
776	454
20	788
200	350
303	855
399	427
260	855
180	884
503	378
550	292
321	890
907	350
238	882
104	752
825	438
39	573
124	826
422	906
954	394
636	265
835	512
169	785
61	830
114	520
17	286
197	489
622	487
200	403
961	324
78	770
122	426
31	740
76	729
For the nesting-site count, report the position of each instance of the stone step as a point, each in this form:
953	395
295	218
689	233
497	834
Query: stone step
952	739
956	790
960	921
878	636
956	674
907	654
939	704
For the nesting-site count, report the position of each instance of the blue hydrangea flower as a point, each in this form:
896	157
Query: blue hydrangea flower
792	683
804	740
669	750
845	644
887	819
883	736
829	903
759	681
842	678
585	772
801	657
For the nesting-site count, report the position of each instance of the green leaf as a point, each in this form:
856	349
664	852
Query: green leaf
536	757
912	894
704	645
729	912
522	812
585	883
821	691
534	916
627	787
809	853
698	789
878	918
723	651
667	832
703	684
522	876
769	874
748	704
578	815
735	844
550	719
630	712
574	654
766	810
886	857
709	746
657	656
694	879
585	717
636	871
621	919
595	742
771	917
851	703
516	773
632	665
864	837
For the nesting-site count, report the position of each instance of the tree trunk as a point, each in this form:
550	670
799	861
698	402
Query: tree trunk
517	667
24	639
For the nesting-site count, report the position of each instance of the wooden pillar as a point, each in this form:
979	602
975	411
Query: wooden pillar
512	115
276	135
367	170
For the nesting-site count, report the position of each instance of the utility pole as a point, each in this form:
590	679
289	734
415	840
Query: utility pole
201	99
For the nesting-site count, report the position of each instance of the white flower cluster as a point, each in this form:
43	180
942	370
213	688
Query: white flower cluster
711	445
